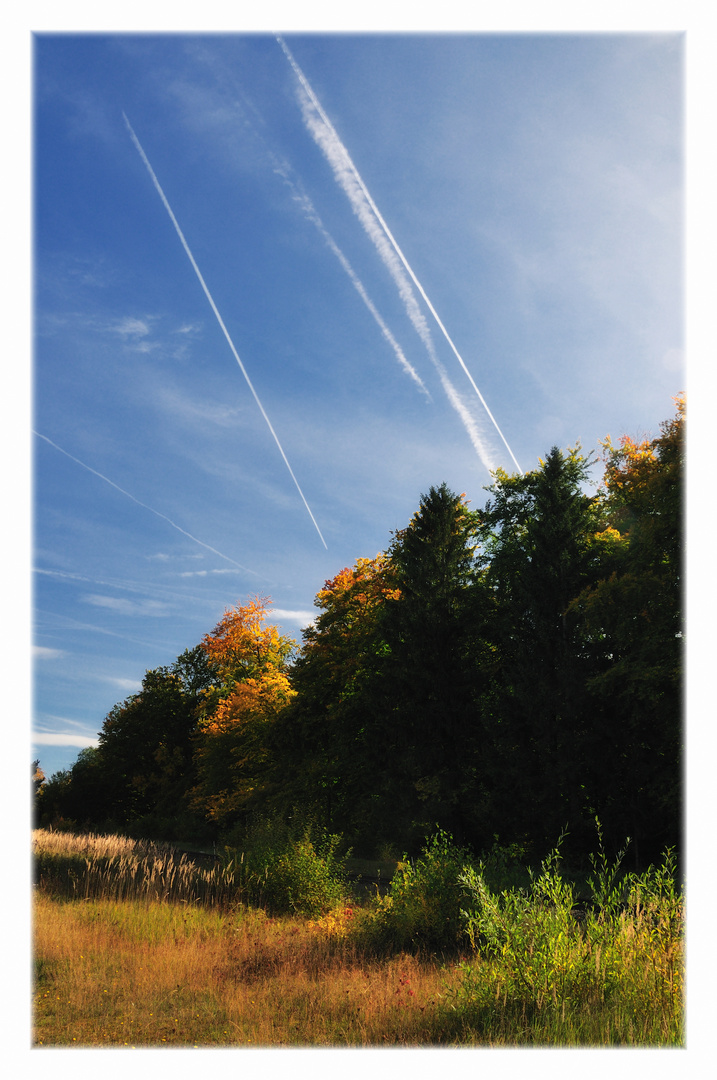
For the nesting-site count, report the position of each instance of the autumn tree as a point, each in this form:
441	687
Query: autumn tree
237	713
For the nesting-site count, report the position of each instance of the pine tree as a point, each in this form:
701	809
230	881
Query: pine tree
428	675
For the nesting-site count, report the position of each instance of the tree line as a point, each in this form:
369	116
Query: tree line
504	674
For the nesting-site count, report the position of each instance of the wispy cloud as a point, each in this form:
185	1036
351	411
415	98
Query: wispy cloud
193	410
204	573
131	685
62	738
152	608
219	319
365	209
41	652
66	622
62	721
131	327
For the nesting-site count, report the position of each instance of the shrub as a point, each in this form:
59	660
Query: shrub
532	931
564	971
422	909
291	869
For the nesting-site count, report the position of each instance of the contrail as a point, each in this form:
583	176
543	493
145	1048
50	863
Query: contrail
348	176
310	213
144	505
339	161
219	319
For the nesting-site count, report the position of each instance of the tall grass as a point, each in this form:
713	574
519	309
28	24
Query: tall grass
161	952
114	867
281	871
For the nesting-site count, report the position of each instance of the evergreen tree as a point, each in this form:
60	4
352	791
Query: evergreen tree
540	551
429	719
632	622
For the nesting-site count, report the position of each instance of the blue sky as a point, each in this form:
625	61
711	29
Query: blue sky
528	188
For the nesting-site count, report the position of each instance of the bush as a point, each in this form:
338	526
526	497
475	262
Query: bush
537	951
532	931
290	869
422	909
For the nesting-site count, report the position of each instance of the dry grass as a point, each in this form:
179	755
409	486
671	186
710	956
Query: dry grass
115	867
128	974
127	955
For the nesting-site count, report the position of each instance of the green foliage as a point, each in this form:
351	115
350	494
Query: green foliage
432	630
522	923
422	909
333	725
536	953
609	887
539	548
505	865
631	623
289	868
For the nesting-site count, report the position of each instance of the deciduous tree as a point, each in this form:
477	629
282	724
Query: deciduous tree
236	715
330	727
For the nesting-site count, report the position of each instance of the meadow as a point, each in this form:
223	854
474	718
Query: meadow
137	946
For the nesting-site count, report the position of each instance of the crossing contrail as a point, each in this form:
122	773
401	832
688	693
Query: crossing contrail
219	319
349	178
310	213
144	505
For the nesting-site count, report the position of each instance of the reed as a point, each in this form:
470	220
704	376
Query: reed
114	867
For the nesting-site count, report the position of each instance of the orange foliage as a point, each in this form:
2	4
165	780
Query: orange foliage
250	658
242	646
355	593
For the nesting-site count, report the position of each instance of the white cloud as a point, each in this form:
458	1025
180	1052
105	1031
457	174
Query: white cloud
191	410
204	573
131	327
40	652
127	607
303	618
60	738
